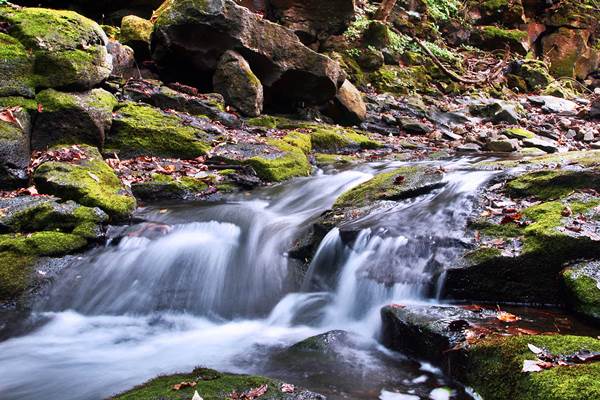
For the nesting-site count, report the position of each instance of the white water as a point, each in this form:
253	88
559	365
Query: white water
212	291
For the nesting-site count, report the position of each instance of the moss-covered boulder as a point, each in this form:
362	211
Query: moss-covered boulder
495	38
143	130
135	33
582	282
534	73
212	385
14	147
87	180
331	139
16	68
161	187
569	53
72	118
68	50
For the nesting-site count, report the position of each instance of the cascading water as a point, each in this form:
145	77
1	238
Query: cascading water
210	284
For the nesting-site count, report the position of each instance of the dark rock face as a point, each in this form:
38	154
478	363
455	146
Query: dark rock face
14	149
190	38
237	83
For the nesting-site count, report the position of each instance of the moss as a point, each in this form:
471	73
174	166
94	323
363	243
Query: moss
144	130
42	243
292	162
135	29
536	74
91	182
510	35
584	158
299	140
519	133
69	68
16	68
15	273
553	184
265	121
395	185
325	159
165	186
333	139
493	369
97	99
583	290
442	10
15	101
211	384
112	32
483	254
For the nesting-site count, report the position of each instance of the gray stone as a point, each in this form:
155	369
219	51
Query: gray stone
554	105
468	148
348	107
414	126
503	145
237	83
545	145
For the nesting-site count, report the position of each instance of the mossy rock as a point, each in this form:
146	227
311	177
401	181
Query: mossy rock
334	139
290	161
493	366
583	158
519	133
68	49
211	385
333	159
582	283
536	74
16	68
72	118
14	149
402	183
135	32
553	184
89	181
495	38
166	187
17	101
47	243
143	130
15	273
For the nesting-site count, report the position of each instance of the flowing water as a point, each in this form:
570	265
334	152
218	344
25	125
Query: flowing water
211	284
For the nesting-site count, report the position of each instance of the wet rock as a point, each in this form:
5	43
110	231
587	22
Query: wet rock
496	111
518	133
14	149
180	98
415	126
88	181
72	118
555	105
69	50
212	384
237	83
503	145
164	187
595	109
348	107
123	59
135	33
328	342
191	37
542	144
143	130
582	281
468	148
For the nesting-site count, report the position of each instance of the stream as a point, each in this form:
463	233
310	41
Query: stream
210	284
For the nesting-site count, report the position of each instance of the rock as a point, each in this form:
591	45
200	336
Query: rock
503	145
595	109
45	213
16	68
178	98
504	12
327	342
14	149
348	107
468	148
486	354
542	144
109	11
68	50
88	181
518	133
237	83
135	33
165	187
212	384
495	38
496	111
569	54
123	59
313	20
415	126
139	129
370	59
72	118
555	105
190	38
582	281
535	73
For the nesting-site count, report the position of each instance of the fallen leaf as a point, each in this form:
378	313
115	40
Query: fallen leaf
93	176
288	388
182	385
531	366
534	349
507	317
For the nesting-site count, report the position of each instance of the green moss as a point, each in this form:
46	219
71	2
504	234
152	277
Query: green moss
584	291
55	101
325	159
91	182
519	133
15	101
442	10
483	254
135	29
144	130
536	74
292	162
510	35
16	68
15	273
299	140
333	139
493	369
42	243
265	121
68	68
211	384
395	185
553	184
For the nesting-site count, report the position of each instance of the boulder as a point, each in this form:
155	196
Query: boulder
237	83
549	146
348	107
123	59
595	109
68	50
88	180
72	118
312	20
569	53
190	37
106	10
14	147
555	105
503	145
582	281
494	38
16	68
135	33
